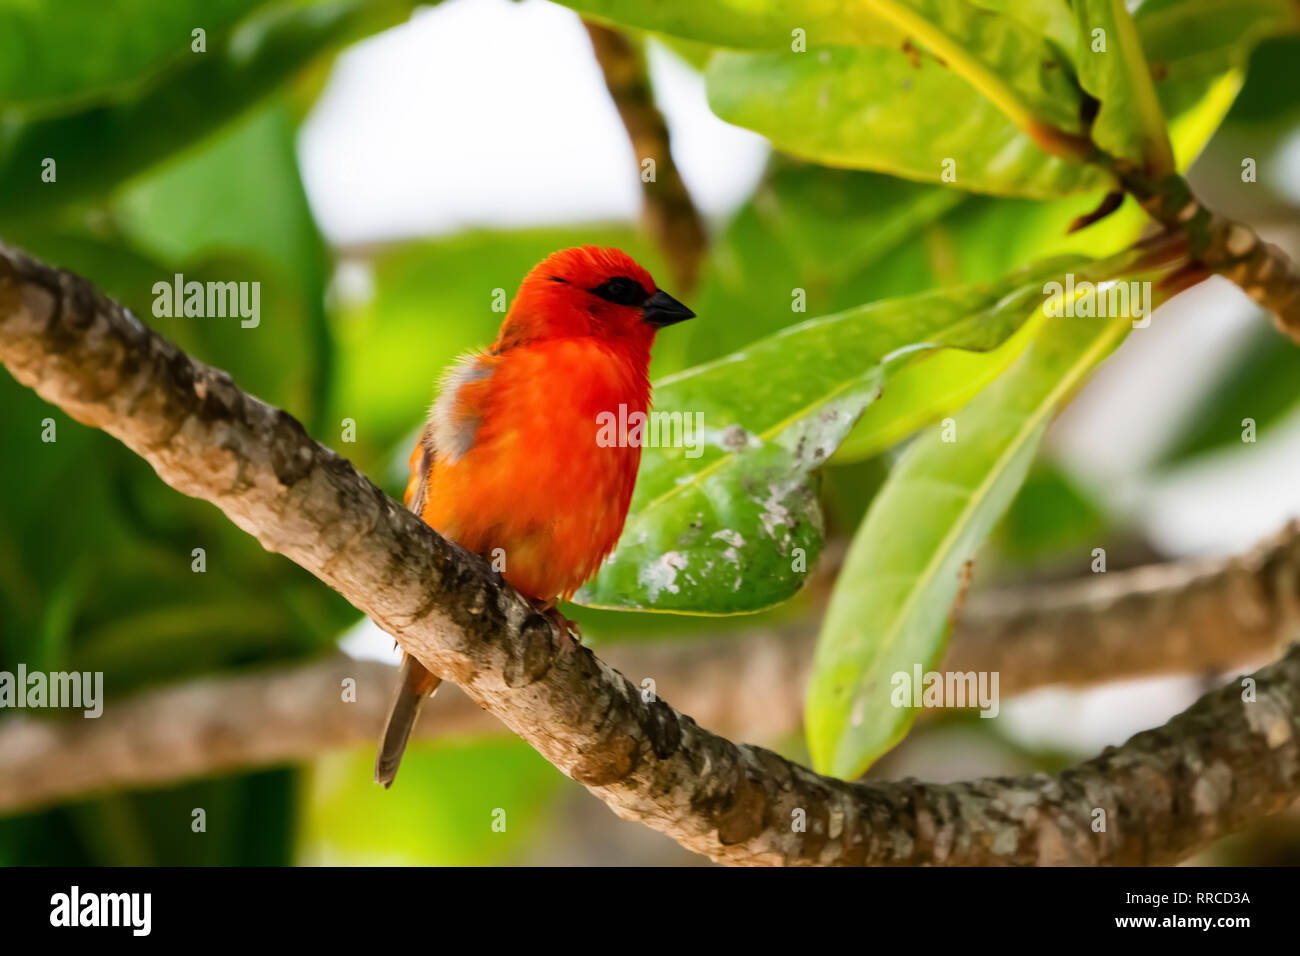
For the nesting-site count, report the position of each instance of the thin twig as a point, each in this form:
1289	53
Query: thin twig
1222	246
670	215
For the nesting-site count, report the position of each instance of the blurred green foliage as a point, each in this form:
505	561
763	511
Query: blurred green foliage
171	161
91	50
168	161
460	803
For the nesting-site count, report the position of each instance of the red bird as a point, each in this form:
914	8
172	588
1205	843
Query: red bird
509	465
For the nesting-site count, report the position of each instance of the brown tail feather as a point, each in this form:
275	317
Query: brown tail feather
413	687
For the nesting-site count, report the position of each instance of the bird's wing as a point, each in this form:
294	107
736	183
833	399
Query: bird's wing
417	487
453	422
416	683
457	414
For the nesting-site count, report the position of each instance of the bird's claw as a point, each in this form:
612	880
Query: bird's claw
566	626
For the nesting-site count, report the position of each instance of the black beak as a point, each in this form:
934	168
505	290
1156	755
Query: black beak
662	309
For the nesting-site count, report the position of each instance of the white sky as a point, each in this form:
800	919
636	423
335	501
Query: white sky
492	113
1112	433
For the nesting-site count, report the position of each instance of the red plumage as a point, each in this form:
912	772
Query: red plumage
509	465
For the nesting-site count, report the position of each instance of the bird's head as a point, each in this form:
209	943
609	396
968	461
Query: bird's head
590	291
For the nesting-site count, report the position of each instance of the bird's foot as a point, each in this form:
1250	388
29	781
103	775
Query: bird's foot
566	625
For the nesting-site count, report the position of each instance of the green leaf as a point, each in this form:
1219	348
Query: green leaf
1008	57
97	148
1270	100
1185	39
846	237
815	231
865	108
1198	50
63	52
1129	124
1015	67
753	25
923	391
1049	18
736	528
889	611
986	118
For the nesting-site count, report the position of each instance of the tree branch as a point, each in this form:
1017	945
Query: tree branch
292	713
1221	246
670	215
1166	792
1191	617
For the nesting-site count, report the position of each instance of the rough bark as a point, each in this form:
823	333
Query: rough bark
1221	246
1166	792
748	687
1190	617
1193	616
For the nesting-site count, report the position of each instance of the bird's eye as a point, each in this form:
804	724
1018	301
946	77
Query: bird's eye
621	291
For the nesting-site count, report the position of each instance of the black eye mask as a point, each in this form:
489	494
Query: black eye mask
621	291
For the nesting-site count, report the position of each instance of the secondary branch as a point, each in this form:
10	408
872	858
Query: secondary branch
670	215
1221	246
1189	617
